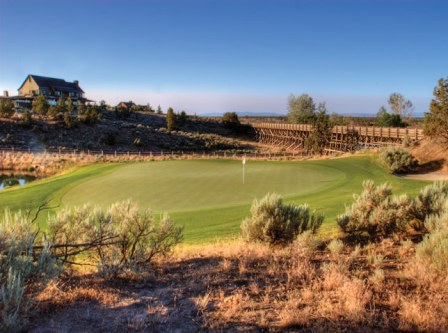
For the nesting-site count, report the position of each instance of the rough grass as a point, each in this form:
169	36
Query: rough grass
207	196
234	287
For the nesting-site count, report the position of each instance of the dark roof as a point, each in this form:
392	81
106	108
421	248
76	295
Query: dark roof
128	104
56	84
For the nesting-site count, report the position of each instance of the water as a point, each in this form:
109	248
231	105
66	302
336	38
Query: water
15	179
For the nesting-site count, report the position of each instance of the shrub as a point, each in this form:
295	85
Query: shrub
122	113
68	119
27	119
432	253
336	246
375	212
117	239
430	201
89	114
23	270
397	160
6	108
273	222
40	105
230	120
378	214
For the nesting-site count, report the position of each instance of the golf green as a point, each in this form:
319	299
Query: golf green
208	197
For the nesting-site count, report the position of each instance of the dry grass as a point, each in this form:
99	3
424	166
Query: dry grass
253	287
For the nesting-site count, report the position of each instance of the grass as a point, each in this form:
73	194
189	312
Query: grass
207	196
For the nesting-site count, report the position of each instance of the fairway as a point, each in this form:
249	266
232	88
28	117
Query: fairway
208	197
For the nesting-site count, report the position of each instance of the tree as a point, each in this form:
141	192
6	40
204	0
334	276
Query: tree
230	120
103	104
6	108
60	107
182	118
170	119
400	105
40	105
385	119
159	110
301	110
321	133
69	105
436	121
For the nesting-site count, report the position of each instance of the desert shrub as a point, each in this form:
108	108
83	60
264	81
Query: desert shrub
122	113
137	142
24	270
274	222
378	214
230	120
336	246
430	201
68	119
432	253
26	119
6	108
117	239
397	160
89	114
137	238
375	212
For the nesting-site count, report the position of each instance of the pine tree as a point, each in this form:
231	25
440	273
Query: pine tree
170	119
436	121
40	105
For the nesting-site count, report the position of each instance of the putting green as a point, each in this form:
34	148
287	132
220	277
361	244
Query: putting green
208	197
192	185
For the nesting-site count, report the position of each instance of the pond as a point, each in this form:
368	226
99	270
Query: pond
8	179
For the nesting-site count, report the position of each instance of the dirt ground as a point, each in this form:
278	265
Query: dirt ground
239	287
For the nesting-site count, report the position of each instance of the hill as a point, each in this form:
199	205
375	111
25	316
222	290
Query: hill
139	132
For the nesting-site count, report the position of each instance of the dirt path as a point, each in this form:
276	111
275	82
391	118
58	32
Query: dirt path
430	176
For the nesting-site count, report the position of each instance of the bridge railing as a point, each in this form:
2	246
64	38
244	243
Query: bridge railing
372	131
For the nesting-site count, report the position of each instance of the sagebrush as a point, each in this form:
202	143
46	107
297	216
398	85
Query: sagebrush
274	222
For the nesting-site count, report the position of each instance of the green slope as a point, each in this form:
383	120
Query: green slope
208	196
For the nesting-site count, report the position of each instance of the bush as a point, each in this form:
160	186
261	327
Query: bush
429	202
378	214
432	253
23	269
397	160
375	212
230	120
6	108
273	222
89	114
27	119
122	113
117	239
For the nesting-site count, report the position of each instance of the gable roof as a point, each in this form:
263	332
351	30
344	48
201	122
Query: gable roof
53	83
128	104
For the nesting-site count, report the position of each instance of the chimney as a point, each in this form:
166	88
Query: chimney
76	82
5	93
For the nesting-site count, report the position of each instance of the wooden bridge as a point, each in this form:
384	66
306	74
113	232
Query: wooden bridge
343	138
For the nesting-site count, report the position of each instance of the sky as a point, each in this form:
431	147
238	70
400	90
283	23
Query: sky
214	56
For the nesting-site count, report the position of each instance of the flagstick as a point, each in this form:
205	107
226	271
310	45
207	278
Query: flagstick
244	164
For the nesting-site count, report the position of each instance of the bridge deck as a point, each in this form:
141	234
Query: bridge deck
385	132
343	138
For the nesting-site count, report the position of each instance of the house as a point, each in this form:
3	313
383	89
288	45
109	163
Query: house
125	105
51	88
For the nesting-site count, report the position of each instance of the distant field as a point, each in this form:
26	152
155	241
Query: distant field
208	196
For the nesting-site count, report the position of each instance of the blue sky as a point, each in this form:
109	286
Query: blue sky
207	56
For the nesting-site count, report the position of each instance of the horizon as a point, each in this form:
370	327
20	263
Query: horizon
239	56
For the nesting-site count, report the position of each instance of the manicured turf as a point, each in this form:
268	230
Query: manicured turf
208	196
